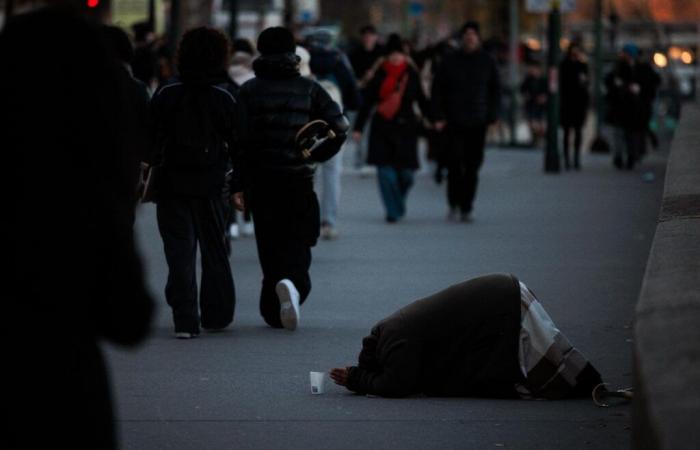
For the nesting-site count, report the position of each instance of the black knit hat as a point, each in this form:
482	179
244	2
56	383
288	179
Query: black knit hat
470	25
275	40
393	44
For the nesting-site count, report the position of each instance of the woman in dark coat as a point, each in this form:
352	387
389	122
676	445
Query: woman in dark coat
393	137
485	337
573	79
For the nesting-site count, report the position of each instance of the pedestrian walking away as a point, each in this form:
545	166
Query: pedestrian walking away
394	89
330	67
485	337
465	100
534	92
193	124
276	177
573	85
625	110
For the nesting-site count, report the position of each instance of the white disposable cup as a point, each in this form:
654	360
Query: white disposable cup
317	380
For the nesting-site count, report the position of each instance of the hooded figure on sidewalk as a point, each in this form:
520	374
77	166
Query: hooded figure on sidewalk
276	177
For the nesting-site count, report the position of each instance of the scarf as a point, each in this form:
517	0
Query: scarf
393	73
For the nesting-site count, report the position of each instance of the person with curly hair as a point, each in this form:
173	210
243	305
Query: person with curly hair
193	125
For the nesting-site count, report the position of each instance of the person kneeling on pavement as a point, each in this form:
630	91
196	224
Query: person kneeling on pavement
485	337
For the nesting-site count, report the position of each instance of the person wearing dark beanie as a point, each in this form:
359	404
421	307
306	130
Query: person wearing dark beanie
277	179
393	44
465	99
276	40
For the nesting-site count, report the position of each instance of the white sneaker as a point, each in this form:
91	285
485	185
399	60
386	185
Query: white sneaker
233	232
248	229
289	304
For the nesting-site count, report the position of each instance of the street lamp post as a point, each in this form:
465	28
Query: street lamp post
551	160
598	57
513	69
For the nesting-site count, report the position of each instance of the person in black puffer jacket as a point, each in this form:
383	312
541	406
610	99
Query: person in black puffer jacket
193	126
465	98
276	178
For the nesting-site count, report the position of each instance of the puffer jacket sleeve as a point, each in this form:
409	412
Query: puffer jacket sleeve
324	108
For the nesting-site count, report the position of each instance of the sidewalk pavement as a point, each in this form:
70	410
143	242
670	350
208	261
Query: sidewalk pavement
579	240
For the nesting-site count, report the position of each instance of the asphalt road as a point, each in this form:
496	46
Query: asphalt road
578	240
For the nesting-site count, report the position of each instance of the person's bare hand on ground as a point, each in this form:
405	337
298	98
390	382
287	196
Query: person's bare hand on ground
237	201
340	376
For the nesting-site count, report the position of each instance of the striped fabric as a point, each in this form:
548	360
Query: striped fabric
552	367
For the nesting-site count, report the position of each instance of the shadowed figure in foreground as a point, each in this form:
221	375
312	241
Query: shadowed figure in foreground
485	337
68	192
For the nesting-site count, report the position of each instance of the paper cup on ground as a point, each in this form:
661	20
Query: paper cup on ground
317	379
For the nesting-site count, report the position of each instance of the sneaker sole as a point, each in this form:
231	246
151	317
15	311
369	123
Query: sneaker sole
185	335
288	315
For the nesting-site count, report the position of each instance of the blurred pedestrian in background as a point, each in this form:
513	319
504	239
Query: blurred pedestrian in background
331	68
277	179
534	92
193	127
363	58
67	145
573	88
625	109
394	90
240	71
649	83
465	100
145	56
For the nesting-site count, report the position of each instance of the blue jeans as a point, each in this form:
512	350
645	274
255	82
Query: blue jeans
394	184
330	194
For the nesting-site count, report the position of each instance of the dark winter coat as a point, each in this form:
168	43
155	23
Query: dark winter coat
624	107
393	142
193	127
573	88
466	89
328	63
462	341
363	60
273	107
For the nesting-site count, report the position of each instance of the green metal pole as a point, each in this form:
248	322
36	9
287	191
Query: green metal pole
233	24
174	31
598	61
551	160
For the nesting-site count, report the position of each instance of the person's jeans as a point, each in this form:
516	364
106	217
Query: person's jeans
394	184
330	180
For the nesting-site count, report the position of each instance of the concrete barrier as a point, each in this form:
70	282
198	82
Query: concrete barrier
666	409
